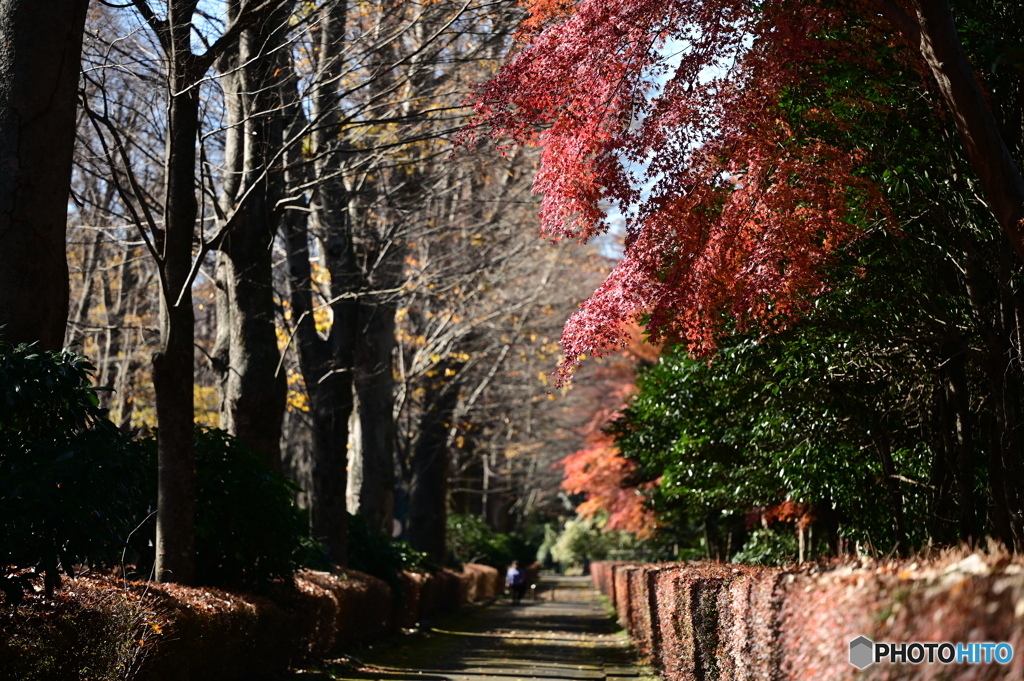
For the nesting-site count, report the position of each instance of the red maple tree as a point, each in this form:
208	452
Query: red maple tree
741	210
599	470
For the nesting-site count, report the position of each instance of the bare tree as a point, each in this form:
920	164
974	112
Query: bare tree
173	244
246	355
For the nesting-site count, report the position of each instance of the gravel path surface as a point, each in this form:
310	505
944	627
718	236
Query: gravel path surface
566	634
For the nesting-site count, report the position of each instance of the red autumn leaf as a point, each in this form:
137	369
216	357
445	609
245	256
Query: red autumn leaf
742	211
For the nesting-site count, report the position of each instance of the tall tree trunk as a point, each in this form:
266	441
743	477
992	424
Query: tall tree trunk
374	495
39	69
330	379
252	390
173	366
326	363
329	385
428	493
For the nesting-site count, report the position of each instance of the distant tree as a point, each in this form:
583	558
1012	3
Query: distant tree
611	483
600	472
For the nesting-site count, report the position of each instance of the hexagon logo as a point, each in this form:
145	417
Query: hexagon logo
862	652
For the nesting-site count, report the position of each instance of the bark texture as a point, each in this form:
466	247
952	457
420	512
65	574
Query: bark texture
986	149
173	366
373	491
40	57
252	390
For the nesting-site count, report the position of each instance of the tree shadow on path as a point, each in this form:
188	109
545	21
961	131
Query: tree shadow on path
570	640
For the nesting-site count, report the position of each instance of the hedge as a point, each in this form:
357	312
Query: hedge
99	627
700	621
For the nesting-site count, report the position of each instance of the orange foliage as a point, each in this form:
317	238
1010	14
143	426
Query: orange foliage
599	470
787	511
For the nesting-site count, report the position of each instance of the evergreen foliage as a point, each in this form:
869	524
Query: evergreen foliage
471	540
249	531
69	478
74	489
373	552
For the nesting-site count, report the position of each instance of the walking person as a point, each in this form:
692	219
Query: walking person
515	579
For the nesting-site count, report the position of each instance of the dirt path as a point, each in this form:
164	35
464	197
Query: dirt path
568	634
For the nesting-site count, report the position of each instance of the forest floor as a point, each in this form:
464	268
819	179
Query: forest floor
568	634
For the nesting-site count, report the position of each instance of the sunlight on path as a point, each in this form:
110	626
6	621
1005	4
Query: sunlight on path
567	635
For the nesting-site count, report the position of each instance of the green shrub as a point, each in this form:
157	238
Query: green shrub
766	546
249	532
580	541
373	552
585	539
471	540
248	529
75	489
69	478
544	556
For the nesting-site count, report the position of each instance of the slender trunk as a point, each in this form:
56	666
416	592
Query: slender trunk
173	365
112	364
39	69
428	494
120	348
1009	401
892	487
993	365
999	503
829	524
355	457
1004	448
90	261
959	400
